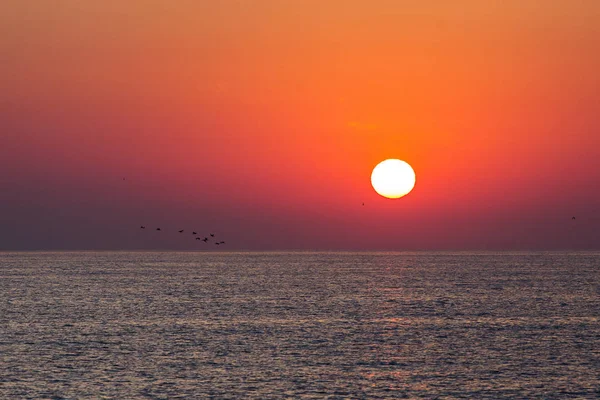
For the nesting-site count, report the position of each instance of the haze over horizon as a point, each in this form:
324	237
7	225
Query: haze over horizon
262	121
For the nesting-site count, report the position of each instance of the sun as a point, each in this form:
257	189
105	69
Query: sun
393	178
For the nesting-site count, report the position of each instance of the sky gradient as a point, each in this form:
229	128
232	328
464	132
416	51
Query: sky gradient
262	121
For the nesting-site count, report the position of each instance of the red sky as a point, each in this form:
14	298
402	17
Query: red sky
262	120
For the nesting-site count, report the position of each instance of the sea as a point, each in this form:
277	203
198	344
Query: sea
299	325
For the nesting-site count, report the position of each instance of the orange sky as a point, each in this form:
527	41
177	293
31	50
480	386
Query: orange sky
262	120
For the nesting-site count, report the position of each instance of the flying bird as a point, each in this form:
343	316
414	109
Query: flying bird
194	233
217	243
158	229
212	235
181	231
204	240
197	238
142	227
221	242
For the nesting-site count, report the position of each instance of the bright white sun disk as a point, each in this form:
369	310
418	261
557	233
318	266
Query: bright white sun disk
393	178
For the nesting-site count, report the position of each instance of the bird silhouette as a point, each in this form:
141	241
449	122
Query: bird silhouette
217	243
194	233
158	229
181	231
573	218
221	242
142	227
204	240
212	235
197	238
363	204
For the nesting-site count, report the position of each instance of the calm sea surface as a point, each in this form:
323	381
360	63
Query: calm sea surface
299	325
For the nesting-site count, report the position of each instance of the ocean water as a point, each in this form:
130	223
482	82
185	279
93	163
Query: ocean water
299	325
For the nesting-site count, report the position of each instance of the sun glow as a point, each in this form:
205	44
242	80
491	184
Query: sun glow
393	178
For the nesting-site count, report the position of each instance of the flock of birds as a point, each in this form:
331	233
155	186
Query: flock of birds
205	239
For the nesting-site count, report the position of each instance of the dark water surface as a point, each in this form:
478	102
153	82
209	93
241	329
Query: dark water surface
299	325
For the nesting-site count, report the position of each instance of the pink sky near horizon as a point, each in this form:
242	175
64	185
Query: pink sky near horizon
263	120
